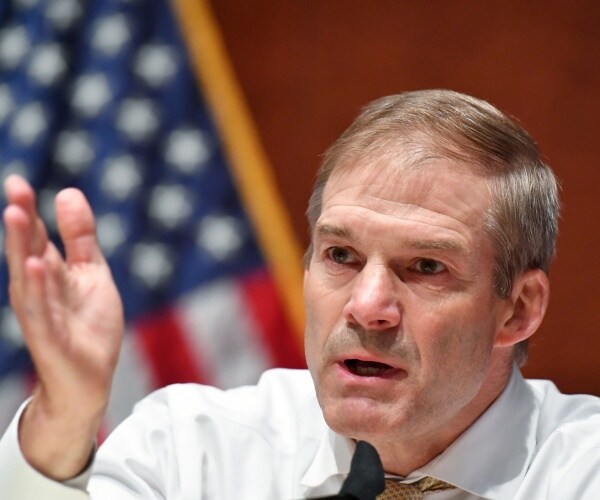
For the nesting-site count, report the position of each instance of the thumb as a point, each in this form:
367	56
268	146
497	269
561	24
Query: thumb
77	227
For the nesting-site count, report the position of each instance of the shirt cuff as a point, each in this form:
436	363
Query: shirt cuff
20	481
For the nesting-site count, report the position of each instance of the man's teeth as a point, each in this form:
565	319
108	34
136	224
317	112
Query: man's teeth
366	368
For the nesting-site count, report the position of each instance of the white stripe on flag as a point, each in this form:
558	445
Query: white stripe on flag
132	381
14	389
220	327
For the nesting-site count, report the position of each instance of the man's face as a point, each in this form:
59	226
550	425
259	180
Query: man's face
401	314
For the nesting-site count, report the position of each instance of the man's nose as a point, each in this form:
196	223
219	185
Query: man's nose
374	303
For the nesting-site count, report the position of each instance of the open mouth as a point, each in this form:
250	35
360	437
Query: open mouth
367	368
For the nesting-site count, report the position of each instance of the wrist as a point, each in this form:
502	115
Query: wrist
58	445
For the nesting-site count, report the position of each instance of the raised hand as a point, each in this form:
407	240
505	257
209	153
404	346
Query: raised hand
72	320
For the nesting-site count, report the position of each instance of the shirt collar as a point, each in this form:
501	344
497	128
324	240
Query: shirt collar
489	459
332	460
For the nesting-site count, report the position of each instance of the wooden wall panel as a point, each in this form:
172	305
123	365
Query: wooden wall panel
306	68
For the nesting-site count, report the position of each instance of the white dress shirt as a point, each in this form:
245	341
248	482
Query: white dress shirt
269	441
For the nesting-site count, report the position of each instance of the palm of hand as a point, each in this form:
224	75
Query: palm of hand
86	330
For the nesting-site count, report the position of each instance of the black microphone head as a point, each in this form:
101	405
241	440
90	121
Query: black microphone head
366	478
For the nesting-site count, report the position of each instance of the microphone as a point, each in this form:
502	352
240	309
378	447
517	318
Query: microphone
366	478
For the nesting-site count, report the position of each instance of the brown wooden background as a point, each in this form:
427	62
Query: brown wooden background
306	67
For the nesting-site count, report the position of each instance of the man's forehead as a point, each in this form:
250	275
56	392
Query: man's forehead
388	174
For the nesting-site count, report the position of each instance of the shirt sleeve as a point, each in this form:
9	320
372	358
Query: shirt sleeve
135	462
20	481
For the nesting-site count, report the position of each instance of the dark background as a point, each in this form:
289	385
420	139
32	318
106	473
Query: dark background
306	68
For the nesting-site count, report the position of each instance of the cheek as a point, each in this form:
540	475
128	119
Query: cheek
323	306
456	336
455	359
323	316
310	345
314	324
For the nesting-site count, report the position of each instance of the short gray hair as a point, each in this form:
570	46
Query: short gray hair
523	219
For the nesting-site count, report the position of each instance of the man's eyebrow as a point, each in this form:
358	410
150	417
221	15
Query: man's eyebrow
329	230
447	245
443	245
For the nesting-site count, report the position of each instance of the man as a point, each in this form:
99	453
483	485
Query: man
433	226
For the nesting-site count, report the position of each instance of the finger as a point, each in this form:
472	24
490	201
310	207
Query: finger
77	227
35	316
17	242
18	249
56	274
21	194
57	281
40	237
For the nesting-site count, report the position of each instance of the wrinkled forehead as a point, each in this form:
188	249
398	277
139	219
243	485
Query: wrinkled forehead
414	168
408	150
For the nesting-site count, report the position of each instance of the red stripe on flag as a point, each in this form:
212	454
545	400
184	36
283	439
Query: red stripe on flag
273	326
165	345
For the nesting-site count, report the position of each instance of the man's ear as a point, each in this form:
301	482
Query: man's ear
526	308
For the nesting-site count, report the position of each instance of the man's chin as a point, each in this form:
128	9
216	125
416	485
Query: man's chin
357	418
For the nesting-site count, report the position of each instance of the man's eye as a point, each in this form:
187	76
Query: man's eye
429	266
339	255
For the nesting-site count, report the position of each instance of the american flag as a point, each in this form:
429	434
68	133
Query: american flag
101	95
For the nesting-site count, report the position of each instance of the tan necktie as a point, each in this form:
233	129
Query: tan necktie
413	491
